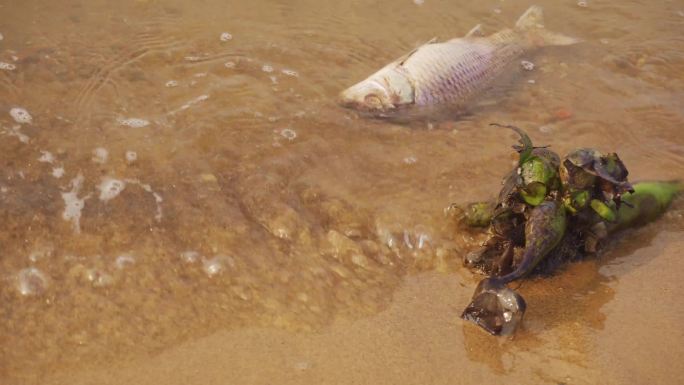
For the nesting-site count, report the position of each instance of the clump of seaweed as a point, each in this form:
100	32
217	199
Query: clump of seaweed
549	211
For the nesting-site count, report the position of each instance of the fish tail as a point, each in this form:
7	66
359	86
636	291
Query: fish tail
531	23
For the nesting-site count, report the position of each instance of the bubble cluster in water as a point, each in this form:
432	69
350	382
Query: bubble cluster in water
225	36
7	66
16	131
40	253
212	266
31	281
217	265
133	122
58	172
267	68
288	133
131	156
189	104
190	256
73	205
410	159
98	277
171	83
110	188
124	260
229	64
290	72
100	155
527	65
20	115
46	157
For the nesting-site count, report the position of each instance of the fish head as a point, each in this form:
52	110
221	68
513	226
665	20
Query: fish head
383	92
369	95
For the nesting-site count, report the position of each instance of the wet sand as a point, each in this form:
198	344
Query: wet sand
576	333
184	201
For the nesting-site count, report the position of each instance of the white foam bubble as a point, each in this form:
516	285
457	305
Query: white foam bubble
58	172
73	204
229	64
31	281
131	156
267	68
290	72
288	133
7	66
217	265
40	253
418	2
527	65
100	155
190	256
583	3
225	36
189	104
124	260
16	131
1	37
212	267
110	188
410	159
99	278
20	115
133	122
200	75
46	157
171	83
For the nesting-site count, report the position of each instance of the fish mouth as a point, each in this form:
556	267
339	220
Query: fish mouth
352	104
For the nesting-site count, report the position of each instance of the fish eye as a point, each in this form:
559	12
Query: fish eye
373	101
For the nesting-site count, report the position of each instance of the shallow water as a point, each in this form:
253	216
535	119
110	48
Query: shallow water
183	202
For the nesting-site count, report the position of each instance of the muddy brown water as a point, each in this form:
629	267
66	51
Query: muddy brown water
187	206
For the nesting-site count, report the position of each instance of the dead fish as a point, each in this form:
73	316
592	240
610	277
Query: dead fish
449	74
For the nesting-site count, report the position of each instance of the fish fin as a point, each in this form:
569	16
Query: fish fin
475	31
532	22
404	57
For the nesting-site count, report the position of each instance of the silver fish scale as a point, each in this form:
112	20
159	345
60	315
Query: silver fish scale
453	71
